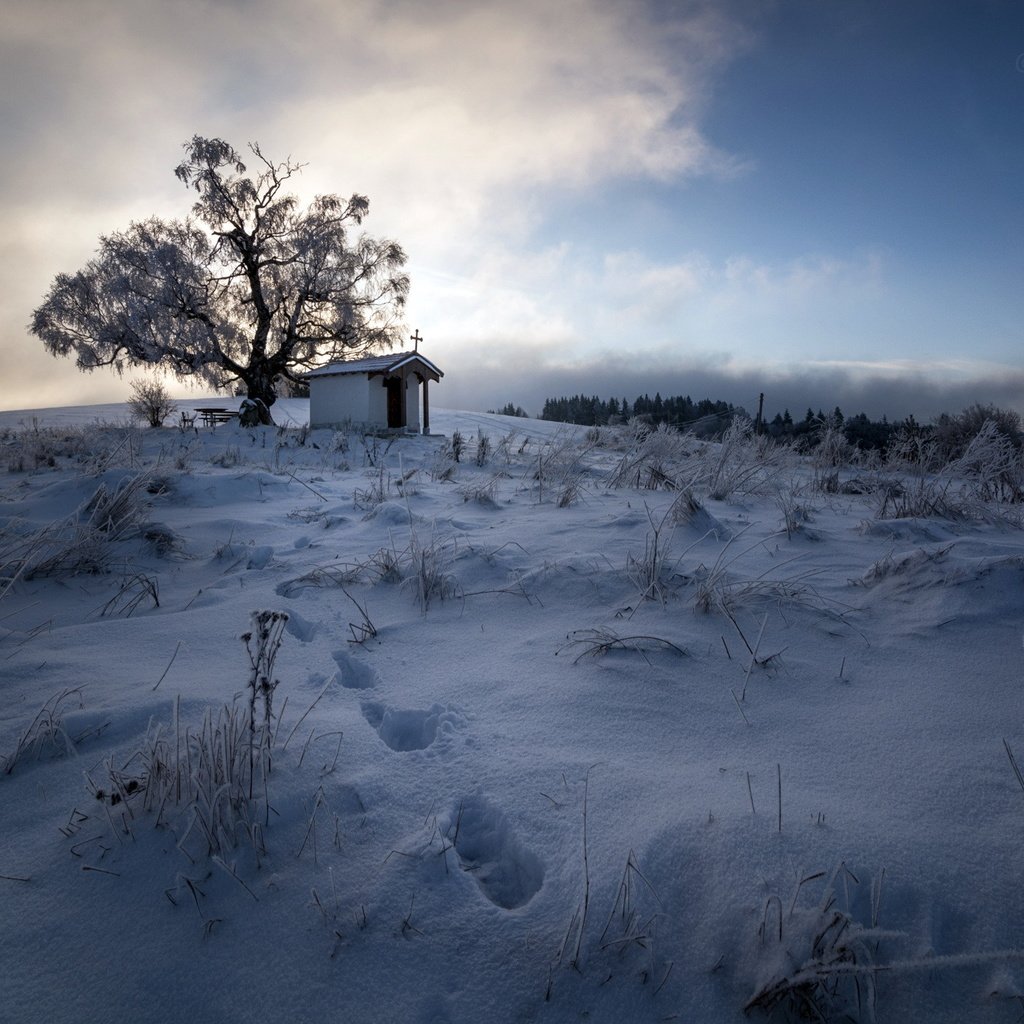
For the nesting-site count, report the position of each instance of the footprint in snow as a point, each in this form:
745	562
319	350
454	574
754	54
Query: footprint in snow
411	729
354	674
300	628
508	874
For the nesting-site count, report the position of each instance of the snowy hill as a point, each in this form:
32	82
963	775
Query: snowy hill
576	727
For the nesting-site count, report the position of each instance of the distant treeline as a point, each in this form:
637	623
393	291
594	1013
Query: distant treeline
680	411
511	409
859	430
708	418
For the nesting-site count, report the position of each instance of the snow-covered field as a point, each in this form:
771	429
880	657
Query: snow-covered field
549	742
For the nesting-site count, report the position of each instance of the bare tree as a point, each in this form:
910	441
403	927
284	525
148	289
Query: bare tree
248	291
150	402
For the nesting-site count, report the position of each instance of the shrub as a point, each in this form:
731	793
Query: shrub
955	433
150	402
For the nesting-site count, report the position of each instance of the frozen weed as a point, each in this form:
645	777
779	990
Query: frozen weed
592	643
686	508
334	454
717	590
80	543
559	469
386	564
795	513
481	491
379	566
37	447
627	945
262	644
456	446
505	446
483	448
376	493
819	963
910	563
45	734
741	463
375	449
309	514
443	467
653	459
163	540
649	573
977	485
422	566
632	929
227	459
63	548
133	590
991	466
426	569
829	452
184	456
925	497
116	512
364	629
215	777
107	448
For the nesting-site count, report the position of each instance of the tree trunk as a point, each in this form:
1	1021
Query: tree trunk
259	386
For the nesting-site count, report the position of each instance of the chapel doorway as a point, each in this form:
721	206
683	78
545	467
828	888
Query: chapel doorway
396	405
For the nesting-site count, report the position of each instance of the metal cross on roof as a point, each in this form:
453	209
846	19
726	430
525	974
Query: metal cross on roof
416	339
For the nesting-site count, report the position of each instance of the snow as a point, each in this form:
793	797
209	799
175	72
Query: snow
497	805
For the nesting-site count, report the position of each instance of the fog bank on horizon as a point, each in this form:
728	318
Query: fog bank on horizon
895	396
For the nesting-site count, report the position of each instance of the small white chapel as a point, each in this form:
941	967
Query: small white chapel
381	392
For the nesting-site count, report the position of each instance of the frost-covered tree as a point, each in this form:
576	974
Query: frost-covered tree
247	292
150	402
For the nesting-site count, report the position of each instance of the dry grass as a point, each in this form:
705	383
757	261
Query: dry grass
819	962
81	542
210	784
45	735
653	459
650	572
592	643
742	462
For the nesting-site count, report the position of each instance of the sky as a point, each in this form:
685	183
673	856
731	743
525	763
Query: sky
823	202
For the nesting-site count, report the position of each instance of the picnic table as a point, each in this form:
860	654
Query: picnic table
212	415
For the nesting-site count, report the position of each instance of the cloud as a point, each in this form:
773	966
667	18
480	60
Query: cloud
471	117
577	303
528	376
462	120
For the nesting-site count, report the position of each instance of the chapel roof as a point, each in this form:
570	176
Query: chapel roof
390	363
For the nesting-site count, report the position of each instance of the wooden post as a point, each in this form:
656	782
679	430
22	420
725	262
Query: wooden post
426	407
